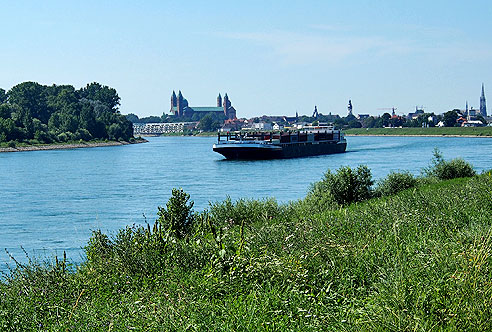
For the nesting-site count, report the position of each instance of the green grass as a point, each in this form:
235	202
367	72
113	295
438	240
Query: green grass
452	131
416	261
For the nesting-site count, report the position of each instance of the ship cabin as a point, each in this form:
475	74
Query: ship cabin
311	134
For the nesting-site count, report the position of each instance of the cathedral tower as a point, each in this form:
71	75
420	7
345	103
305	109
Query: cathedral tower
174	100
483	105
179	104
219	101
226	105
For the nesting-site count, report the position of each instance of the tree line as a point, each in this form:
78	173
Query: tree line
35	113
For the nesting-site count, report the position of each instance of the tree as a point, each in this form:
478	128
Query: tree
386	119
177	217
450	118
3	96
104	94
369	122
354	124
133	118
30	96
47	112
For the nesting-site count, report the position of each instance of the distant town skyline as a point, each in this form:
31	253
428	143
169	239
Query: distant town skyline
272	58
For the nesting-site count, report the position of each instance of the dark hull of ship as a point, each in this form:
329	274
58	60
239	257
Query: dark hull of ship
283	151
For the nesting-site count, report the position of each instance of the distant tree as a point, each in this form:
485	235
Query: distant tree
132	118
369	122
59	112
450	118
386	119
340	122
104	94
354	124
397	121
151	118
206	122
3	96
30	96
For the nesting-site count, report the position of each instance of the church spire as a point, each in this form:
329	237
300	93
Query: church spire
483	103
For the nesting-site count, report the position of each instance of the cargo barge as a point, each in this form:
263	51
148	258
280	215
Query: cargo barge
309	141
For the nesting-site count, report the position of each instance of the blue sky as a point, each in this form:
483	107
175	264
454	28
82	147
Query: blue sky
271	57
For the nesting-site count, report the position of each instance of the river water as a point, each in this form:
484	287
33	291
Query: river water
50	201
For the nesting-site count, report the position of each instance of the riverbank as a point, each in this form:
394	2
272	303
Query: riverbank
63	146
425	132
417	260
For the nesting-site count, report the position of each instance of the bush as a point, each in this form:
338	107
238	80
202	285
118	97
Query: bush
11	144
178	215
346	185
395	182
243	211
449	169
63	137
82	134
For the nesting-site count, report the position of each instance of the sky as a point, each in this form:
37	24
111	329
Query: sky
270	57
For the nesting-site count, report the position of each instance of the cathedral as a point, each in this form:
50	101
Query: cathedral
180	107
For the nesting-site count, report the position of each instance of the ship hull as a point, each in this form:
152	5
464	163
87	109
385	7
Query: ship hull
281	151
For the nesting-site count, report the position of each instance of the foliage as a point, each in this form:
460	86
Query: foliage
61	113
394	183
243	211
346	185
449	118
211	122
178	215
3	96
445	170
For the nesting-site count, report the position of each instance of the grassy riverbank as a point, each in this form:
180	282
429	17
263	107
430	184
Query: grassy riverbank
435	131
415	261
6	147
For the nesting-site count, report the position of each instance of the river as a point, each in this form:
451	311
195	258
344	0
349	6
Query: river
50	201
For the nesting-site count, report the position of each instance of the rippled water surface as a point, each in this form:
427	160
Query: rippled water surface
51	200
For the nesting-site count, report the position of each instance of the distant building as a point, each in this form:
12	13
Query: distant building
262	126
277	126
180	107
362	116
472	123
483	104
349	108
157	128
416	114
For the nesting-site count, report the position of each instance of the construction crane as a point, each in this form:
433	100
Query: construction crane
392	109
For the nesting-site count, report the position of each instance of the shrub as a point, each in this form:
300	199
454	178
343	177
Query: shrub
243	211
448	169
63	137
346	185
395	182
83	134
178	215
11	144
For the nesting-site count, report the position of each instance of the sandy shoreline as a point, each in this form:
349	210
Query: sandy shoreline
395	135
67	146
